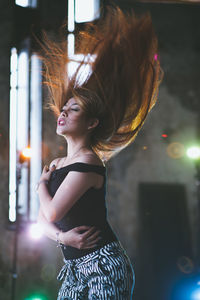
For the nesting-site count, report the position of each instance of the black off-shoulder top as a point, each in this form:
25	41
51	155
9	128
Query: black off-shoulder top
90	209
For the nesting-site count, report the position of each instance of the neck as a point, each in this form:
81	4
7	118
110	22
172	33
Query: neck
75	146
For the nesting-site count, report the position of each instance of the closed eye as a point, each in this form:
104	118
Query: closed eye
75	109
71	109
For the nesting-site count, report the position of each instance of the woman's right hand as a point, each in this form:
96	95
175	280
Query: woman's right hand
81	237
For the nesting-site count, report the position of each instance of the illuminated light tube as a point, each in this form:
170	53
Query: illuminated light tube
13	134
71	25
23	125
23	3
18	119
70	45
26	3
35	133
86	10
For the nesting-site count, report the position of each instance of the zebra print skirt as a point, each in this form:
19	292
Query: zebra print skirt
105	274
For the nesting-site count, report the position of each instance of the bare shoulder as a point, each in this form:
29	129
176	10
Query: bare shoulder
90	179
91	158
95	178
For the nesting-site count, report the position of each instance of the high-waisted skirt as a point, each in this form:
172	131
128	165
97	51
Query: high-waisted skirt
105	274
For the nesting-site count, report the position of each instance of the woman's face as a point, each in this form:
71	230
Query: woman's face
72	120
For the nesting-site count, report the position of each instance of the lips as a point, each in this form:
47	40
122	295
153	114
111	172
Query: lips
61	121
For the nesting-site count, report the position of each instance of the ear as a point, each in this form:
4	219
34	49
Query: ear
93	123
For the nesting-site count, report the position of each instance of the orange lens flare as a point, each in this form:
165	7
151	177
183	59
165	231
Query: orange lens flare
26	152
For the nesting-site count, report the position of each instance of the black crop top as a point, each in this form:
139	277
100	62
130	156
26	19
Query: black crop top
90	209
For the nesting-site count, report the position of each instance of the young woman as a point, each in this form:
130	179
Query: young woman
98	117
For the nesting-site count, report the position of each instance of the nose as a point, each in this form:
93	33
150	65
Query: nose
64	113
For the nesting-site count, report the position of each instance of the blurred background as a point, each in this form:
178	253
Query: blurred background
153	190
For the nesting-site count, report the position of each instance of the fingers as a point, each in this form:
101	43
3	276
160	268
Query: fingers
89	232
94	241
82	228
93	236
92	244
46	168
89	236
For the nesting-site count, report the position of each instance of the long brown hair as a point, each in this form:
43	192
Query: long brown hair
123	85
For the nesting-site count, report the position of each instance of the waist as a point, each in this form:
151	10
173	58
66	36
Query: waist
107	236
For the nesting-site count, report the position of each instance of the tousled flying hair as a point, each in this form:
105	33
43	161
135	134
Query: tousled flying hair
121	88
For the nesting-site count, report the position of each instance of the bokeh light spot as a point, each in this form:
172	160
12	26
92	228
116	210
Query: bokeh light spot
193	152
196	295
185	264
175	150
26	152
36	297
36	231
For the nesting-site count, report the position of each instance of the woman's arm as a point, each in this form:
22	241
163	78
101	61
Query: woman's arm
82	237
71	189
49	229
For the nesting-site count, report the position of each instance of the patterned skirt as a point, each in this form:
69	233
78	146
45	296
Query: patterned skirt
105	274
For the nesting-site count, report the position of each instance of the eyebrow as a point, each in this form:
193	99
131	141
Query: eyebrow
71	104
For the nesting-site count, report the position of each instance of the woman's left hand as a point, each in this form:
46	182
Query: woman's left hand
46	173
81	237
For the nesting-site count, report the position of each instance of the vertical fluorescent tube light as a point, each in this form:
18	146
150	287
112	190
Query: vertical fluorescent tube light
33	3
35	134
70	44
71	25
86	10
23	3
12	135
26	3
22	123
